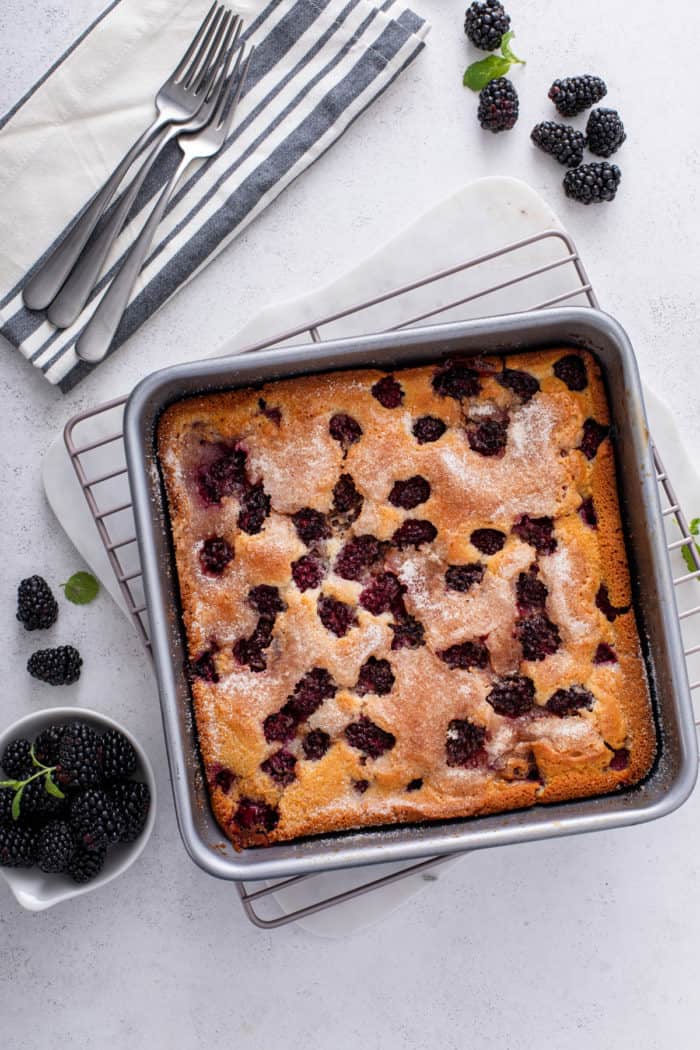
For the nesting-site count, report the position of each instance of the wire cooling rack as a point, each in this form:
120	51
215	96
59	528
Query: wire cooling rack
94	442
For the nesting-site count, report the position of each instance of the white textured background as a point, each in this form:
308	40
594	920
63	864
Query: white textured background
576	943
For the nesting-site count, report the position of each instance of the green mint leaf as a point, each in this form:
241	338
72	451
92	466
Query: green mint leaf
507	52
52	788
14	784
16	802
479	74
81	588
695	527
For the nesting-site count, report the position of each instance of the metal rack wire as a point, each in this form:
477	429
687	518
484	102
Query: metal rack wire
95	446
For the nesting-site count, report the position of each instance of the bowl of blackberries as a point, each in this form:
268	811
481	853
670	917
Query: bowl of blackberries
77	804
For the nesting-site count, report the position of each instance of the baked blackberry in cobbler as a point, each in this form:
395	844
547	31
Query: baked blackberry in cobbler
405	594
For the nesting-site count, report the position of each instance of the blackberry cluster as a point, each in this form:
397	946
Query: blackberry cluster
37	609
485	23
498	105
59	666
76	799
487	26
605	133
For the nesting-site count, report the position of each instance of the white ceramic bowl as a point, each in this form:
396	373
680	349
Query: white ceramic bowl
36	890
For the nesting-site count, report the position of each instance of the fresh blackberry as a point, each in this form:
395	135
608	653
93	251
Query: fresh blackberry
37	608
47	743
485	23
605	132
6	797
17	846
17	759
37	805
59	666
118	756
79	757
574	94
55	846
498	105
95	821
86	864
561	141
132	801
592	183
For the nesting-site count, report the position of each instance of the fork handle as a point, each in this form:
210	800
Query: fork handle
74	294
96	337
41	288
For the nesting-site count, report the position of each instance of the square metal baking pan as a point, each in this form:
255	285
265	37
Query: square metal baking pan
671	779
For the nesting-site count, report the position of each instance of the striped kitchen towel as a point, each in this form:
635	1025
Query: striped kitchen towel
318	65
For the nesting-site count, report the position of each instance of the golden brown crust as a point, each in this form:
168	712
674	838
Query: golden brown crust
282	436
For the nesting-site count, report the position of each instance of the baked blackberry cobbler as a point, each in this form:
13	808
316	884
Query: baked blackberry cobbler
405	594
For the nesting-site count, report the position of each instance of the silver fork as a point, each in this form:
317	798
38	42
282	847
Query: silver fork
195	144
177	101
75	292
